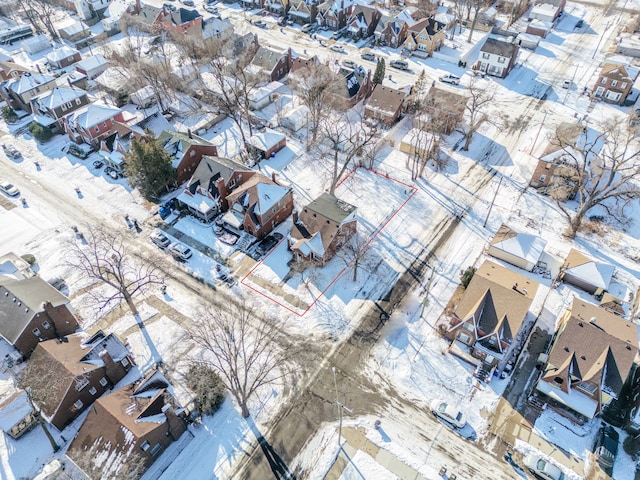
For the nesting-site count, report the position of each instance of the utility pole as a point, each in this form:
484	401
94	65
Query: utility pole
340	408
535	140
606	27
484	225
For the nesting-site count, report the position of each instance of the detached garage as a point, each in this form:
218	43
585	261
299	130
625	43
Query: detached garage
585	273
519	249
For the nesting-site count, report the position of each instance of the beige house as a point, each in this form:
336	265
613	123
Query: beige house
425	37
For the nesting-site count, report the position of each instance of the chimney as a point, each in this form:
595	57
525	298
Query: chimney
38	67
189	133
273	178
114	371
294	214
69	82
176	425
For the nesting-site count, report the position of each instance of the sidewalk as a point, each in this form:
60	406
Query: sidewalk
355	440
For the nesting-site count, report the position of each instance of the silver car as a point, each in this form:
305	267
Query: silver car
541	468
448	413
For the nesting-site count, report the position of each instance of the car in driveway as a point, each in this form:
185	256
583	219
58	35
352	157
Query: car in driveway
605	448
160	239
566	84
9	188
180	251
451	79
268	242
309	27
447	412
337	48
11	151
211	9
542	469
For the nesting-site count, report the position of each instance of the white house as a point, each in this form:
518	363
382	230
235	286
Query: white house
35	44
544	11
497	57
519	249
295	119
263	96
92	66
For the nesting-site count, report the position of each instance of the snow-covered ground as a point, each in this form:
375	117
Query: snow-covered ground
394	211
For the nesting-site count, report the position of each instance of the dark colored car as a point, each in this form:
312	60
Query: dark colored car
76	151
579	23
606	448
268	243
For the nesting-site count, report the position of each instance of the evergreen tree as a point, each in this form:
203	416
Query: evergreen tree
148	167
378	76
421	82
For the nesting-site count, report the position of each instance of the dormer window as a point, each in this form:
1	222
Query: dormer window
46	325
36	332
81	383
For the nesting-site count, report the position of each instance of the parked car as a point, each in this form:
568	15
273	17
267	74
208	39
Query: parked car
452	79
349	63
399	64
160	239
188	3
369	56
542	469
76	151
180	251
448	413
169	7
566	84
9	188
605	448
268	242
337	48
98	164
579	23
211	9
309	27
260	23
11	151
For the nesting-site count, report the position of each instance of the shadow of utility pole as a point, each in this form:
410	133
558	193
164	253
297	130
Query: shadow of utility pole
277	465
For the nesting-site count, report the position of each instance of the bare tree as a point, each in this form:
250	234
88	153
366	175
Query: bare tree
105	258
476	5
480	98
345	137
316	86
239	345
601	166
355	251
41	14
425	145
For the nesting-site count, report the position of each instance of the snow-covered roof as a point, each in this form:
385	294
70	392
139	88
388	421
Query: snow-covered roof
94	114
265	140
595	273
312	245
522	245
198	201
14	405
75	28
268	195
29	81
61	53
59	96
89	63
574	399
233	218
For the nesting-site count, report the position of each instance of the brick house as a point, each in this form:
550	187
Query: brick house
363	21
614	83
11	70
334	13
425	37
31	311
265	144
303	11
444	110
186	151
357	86
258	206
50	109
278	7
127	429
270	65
321	228
181	22
385	105
497	58
591	359
63	57
19	91
485	327
92	123
68	374
391	31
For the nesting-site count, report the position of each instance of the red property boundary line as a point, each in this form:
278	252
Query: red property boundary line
341	272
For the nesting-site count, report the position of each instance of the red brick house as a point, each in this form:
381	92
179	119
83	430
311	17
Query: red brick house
321	228
258	206
357	86
128	429
391	31
32	311
92	123
181	22
363	21
63	57
10	69
67	375
334	13
270	65
186	151
385	105
614	83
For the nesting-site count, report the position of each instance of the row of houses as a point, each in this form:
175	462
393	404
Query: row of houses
68	372
591	357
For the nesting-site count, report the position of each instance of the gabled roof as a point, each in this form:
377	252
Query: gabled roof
498	47
10	66
20	300
184	15
386	99
28	81
75	28
594	346
14	405
258	195
59	96
430	25
211	169
499	298
93	114
91	62
266	139
14	267
177	143
149	14
394	24
615	71
595	273
522	245
267	58
61	53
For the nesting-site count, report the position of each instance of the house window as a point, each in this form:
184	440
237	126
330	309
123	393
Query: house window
93	390
468	326
63	107
155	449
485	55
36	332
558	380
46	325
80	384
125	362
97	128
193	153
464	338
623	85
587	388
614	83
103	382
78	101
603	80
78	404
104	124
501	59
145	446
68	104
